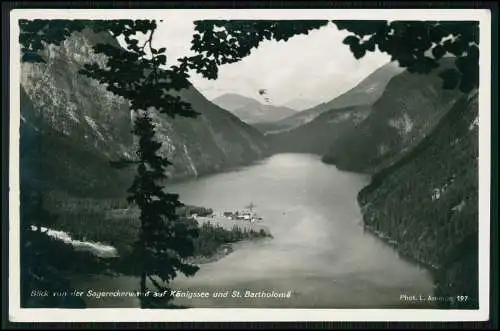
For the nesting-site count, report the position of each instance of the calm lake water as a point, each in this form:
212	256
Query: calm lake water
320	252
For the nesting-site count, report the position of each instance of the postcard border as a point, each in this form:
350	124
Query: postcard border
52	315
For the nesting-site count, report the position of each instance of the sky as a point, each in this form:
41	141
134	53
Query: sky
316	67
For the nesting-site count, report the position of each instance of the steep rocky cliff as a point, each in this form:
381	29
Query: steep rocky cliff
426	204
407	111
391	112
72	127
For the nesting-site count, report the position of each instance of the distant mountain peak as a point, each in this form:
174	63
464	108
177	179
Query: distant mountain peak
230	95
250	110
300	104
80	127
364	93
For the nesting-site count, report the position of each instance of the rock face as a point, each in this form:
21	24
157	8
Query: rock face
407	111
72	127
426	204
384	121
318	135
250	110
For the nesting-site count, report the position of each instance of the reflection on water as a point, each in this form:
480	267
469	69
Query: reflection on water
319	251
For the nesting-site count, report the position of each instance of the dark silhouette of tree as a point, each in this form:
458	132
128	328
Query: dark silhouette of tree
134	73
46	262
164	240
416	45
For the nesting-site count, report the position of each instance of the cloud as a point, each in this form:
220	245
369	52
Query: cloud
317	66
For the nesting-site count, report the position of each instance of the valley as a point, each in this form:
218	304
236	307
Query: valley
419	143
252	111
395	157
363	94
74	127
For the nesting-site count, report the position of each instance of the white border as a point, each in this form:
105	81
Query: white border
17	314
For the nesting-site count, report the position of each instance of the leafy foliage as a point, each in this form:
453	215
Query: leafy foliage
220	42
419	45
35	34
164	241
132	73
416	45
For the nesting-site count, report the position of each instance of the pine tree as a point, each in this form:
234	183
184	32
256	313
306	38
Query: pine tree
165	239
134	73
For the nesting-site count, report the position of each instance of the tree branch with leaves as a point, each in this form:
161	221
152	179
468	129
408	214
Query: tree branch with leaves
165	241
415	45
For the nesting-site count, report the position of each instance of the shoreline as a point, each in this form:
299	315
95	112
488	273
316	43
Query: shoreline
387	240
437	274
176	179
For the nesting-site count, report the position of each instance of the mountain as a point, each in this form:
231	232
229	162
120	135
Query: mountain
363	94
426	204
367	137
71	127
300	104
318	135
251	111
408	110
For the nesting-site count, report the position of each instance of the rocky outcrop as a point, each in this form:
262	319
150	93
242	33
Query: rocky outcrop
391	112
318	135
72	127
407	111
364	94
426	204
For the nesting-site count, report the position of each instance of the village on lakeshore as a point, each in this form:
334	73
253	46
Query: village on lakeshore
245	214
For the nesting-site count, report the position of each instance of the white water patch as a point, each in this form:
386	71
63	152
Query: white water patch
436	194
28	123
372	88
382	149
94	126
340	118
403	124
473	95
359	117
474	124
191	163
72	114
125	153
459	207
96	248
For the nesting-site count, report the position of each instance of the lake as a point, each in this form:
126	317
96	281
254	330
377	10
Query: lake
319	252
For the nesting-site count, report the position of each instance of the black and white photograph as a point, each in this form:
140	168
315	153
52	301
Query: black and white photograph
181	164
